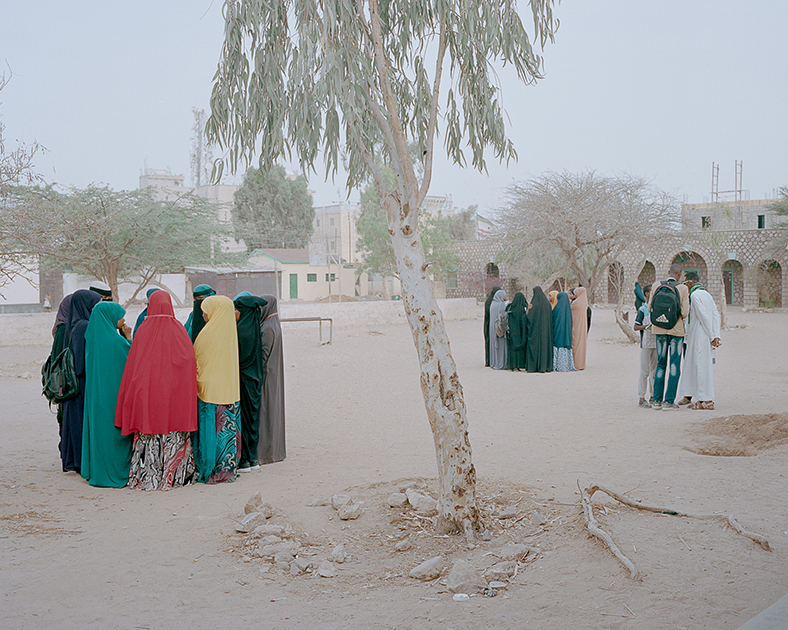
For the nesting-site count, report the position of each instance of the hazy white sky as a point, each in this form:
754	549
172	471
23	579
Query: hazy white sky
658	88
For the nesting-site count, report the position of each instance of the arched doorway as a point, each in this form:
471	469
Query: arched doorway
648	275
733	281
615	281
692	261
770	284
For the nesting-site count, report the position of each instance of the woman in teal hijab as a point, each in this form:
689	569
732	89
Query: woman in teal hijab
106	454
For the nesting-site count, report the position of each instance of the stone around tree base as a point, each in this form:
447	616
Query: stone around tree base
429	569
464	578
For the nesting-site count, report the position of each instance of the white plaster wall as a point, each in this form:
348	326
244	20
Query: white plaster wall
35	329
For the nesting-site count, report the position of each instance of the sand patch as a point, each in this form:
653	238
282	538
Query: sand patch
742	435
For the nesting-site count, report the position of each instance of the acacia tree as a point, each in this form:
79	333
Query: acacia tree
584	221
349	79
271	209
115	235
17	168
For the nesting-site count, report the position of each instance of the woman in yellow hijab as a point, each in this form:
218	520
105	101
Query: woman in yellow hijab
553	297
218	443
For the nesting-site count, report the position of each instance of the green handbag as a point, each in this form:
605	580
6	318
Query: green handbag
59	377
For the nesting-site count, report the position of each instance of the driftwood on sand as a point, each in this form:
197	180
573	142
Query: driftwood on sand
594	528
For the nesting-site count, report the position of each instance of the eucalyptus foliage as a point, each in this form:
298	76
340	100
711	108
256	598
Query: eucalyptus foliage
302	77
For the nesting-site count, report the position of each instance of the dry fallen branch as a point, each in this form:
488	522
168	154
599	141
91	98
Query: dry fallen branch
593	526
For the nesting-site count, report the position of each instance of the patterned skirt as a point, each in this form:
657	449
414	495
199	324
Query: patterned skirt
217	444
161	462
563	360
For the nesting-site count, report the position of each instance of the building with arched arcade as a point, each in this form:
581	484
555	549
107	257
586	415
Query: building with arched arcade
730	246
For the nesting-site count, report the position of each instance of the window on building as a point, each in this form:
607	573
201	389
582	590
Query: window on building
311	277
451	280
317	222
333	277
761	221
331	222
705	222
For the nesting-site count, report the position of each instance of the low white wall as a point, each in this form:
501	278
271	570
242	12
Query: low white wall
35	329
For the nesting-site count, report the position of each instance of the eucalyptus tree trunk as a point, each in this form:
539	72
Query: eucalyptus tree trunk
440	383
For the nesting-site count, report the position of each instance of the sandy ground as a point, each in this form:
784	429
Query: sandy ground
73	556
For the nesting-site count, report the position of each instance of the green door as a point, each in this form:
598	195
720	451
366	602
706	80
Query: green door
293	286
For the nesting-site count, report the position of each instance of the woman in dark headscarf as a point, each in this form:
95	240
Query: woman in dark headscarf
487	304
106	454
539	347
144	313
562	334
196	321
82	303
58	343
250	359
157	402
272	447
518	331
498	349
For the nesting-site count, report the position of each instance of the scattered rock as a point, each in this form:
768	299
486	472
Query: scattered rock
497	584
299	566
269	540
26	375
429	569
397	499
422	503
254	502
465	578
507	512
403	487
338	554
250	522
268	529
461	597
512	551
537	520
349	511
318	503
283	556
403	545
501	570
485	535
326	569
338	500
269	551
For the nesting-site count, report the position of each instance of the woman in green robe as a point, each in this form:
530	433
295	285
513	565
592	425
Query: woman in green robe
106	454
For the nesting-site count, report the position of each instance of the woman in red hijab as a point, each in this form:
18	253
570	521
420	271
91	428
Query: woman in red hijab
157	401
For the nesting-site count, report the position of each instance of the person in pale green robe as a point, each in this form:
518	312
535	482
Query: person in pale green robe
106	454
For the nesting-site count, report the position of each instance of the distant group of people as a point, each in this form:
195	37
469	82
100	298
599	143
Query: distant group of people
549	334
677	319
168	405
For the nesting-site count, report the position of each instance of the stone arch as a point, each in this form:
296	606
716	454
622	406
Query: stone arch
692	261
615	281
648	275
769	282
733	282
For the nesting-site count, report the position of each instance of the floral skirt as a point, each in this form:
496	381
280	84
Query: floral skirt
563	360
161	462
217	444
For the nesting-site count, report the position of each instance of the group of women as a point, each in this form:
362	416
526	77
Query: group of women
171	405
549	334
